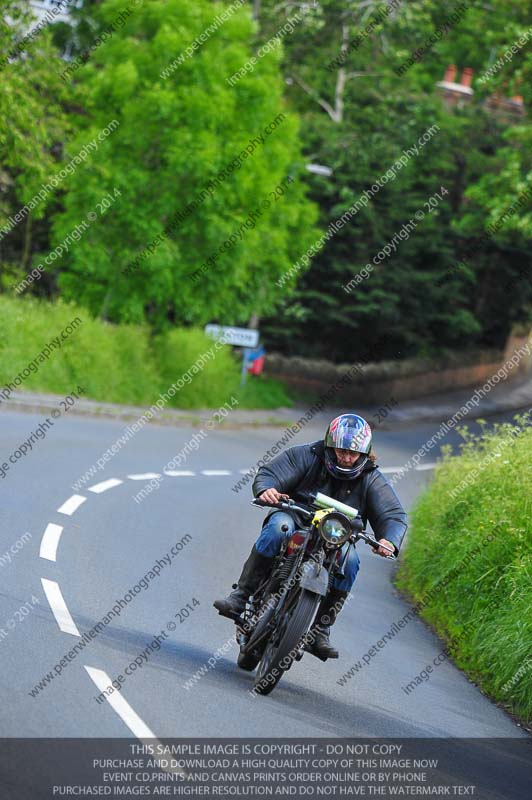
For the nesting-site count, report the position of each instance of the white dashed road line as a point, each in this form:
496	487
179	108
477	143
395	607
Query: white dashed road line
178	473
216	472
48	550
129	716
119	704
58	606
98	488
50	540
391	470
71	505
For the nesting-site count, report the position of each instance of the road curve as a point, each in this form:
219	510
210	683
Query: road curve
83	550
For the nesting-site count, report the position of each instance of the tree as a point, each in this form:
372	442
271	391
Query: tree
358	113
180	125
33	125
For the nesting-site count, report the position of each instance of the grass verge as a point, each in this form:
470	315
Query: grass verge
118	363
471	540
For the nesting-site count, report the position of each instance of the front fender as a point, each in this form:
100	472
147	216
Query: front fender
314	578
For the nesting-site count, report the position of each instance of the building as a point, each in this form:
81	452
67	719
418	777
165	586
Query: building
456	95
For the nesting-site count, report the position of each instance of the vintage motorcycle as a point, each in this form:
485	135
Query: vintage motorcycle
276	625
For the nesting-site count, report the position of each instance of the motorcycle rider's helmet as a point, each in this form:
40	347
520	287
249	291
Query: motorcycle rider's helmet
347	432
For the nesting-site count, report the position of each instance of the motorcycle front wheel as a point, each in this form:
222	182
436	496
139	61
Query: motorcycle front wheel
252	652
284	643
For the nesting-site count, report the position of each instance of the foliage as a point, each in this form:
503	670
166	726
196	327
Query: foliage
175	135
113	363
177	350
478	542
110	363
439	290
262	392
121	363
33	128
358	116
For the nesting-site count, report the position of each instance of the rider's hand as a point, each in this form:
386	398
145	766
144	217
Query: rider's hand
272	496
381	551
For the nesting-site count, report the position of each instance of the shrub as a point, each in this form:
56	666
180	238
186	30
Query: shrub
113	363
474	524
177	350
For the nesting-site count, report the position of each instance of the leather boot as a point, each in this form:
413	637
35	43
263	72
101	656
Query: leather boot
318	638
255	570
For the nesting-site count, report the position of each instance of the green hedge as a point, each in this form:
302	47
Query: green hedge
468	560
119	363
178	350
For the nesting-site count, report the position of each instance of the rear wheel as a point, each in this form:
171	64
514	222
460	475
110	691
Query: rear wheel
284	644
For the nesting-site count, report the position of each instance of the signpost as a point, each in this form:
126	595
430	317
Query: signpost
248	338
320	169
239	337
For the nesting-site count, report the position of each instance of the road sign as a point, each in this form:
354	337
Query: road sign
320	169
239	337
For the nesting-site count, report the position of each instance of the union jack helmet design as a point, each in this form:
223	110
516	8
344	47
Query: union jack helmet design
347	432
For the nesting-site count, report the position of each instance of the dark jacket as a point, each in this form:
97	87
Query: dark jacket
302	469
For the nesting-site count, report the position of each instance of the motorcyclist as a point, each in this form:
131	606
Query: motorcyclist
341	466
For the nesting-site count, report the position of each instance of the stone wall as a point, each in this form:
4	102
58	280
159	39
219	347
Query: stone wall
377	383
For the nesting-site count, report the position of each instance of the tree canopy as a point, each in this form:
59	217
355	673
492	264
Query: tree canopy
358	114
199	202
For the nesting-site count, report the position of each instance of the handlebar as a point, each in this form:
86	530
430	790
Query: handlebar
375	544
290	505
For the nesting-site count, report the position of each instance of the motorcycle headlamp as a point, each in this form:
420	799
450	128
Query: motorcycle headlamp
335	528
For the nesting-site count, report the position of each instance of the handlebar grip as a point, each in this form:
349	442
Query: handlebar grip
376	544
262	504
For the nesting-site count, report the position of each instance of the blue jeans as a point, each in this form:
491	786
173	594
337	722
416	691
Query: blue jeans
271	538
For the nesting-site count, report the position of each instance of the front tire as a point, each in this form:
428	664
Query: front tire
250	655
284	644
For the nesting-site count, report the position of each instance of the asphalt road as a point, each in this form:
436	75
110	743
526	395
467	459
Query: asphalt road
110	542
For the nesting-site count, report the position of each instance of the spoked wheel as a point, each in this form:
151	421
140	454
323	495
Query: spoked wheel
282	648
265	614
252	654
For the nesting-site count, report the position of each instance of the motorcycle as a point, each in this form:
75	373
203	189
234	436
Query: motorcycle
275	627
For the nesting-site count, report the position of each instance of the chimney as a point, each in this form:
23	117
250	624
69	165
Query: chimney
518	98
467	77
450	74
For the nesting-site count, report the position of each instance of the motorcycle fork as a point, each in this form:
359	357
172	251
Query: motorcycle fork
293	572
244	629
338	568
290	577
